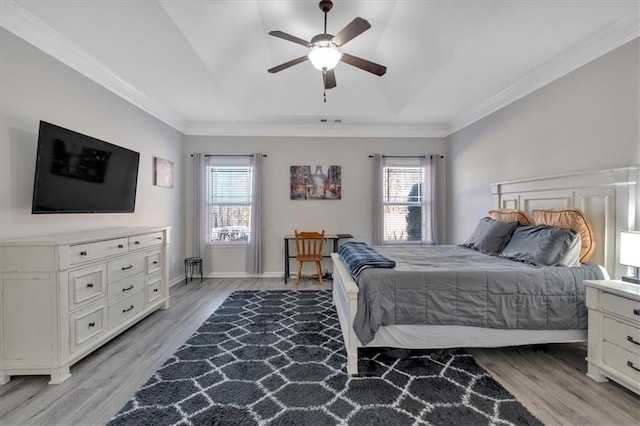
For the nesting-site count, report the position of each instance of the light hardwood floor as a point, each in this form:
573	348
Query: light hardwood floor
549	381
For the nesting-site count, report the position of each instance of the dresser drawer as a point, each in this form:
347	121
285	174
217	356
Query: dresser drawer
624	307
154	262
153	290
128	308
622	360
80	253
146	240
86	285
621	334
126	267
87	324
125	288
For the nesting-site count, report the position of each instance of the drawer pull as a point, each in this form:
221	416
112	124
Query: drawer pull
128	288
155	262
630	338
158	238
84	253
630	364
136	242
92	324
90	285
128	309
120	246
124	268
155	290
636	311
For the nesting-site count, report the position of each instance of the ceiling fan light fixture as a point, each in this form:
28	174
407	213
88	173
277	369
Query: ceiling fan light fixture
325	57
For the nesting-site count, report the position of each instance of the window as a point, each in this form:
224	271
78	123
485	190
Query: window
403	200
229	199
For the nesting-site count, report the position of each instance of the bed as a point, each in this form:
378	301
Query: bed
606	197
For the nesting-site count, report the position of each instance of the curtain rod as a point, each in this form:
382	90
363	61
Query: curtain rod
230	155
406	156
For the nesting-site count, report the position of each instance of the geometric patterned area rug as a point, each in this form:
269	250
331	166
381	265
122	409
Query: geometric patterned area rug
277	358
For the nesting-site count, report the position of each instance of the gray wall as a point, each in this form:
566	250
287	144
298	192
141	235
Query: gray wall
36	87
352	214
587	120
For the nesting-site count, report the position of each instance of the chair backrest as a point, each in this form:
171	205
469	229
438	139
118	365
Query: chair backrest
309	245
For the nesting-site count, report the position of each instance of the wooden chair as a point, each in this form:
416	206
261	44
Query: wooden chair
309	249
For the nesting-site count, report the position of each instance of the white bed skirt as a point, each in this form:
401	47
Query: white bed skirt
451	336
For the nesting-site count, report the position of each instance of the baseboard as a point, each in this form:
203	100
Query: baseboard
180	278
176	280
245	275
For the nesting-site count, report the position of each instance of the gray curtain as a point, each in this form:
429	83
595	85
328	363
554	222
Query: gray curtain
254	250
435	198
378	213
199	239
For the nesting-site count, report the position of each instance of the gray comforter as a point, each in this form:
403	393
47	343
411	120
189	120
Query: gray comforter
457	285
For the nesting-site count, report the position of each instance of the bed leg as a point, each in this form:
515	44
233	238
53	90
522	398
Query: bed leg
352	364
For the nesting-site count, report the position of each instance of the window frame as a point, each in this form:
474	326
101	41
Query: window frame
222	162
409	162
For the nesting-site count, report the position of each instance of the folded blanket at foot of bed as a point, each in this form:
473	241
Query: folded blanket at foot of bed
358	256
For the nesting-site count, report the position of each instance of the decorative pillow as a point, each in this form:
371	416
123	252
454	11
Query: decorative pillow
541	245
490	236
511	215
570	218
572	257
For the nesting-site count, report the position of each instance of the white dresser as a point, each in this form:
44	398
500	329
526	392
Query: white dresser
63	296
614	332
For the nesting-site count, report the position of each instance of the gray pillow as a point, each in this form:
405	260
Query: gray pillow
490	236
541	245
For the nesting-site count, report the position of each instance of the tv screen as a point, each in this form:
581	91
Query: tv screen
76	173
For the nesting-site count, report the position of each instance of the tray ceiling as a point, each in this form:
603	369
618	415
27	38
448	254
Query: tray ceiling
201	66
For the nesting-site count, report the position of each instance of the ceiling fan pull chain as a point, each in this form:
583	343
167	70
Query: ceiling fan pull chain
324	85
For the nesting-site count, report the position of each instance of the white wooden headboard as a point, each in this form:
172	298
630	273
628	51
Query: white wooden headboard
607	197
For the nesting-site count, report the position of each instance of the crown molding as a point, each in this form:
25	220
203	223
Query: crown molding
317	130
586	50
24	24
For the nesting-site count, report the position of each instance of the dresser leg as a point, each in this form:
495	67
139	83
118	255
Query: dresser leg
596	373
4	378
59	375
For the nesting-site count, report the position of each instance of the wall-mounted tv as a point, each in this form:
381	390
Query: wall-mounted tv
76	173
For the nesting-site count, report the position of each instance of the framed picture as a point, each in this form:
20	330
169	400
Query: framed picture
320	182
162	172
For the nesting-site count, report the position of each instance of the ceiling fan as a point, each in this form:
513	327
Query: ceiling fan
325	54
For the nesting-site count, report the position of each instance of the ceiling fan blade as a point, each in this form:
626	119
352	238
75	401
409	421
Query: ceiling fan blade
363	64
329	78
288	64
289	37
352	30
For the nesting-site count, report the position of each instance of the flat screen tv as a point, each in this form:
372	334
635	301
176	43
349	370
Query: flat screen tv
76	173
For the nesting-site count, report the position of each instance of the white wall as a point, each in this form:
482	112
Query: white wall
587	120
352	214
34	87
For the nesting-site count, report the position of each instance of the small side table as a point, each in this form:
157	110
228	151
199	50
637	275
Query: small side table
192	264
614	332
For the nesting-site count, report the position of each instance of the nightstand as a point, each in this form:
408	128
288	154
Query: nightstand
614	332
